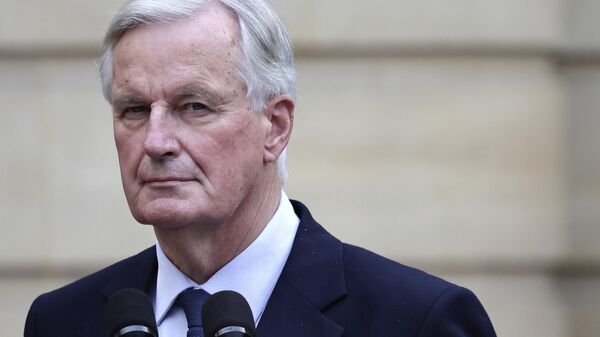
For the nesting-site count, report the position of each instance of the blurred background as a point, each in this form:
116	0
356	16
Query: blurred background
456	136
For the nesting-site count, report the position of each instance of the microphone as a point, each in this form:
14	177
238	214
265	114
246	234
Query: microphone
227	314
129	313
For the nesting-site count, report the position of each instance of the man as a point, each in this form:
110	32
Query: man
203	103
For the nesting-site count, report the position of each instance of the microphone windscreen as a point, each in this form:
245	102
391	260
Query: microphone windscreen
129	307
227	309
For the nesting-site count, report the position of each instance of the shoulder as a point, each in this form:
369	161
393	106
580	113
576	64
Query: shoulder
400	297
93	283
367	271
363	271
391	299
83	299
384	285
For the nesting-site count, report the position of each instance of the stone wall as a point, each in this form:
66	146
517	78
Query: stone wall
458	137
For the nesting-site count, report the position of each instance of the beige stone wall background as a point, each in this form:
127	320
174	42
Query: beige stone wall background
456	136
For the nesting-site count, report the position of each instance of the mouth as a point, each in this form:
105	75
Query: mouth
167	181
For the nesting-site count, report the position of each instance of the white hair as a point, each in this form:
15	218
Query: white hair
267	60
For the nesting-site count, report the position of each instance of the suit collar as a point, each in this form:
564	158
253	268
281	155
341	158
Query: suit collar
138	272
312	279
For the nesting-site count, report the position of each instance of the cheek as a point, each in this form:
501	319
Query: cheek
229	156
244	145
247	146
128	153
249	133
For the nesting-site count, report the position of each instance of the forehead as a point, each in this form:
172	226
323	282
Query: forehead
205	45
213	19
211	31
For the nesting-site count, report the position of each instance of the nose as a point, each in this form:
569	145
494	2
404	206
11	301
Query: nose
161	141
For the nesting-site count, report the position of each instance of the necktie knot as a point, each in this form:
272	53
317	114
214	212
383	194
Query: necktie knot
191	300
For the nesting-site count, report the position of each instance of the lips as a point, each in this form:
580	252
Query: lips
164	182
166	179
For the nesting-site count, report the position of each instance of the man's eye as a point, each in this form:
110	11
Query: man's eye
137	112
135	109
195	106
194	110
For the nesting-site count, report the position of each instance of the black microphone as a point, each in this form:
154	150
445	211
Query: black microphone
129	313
227	314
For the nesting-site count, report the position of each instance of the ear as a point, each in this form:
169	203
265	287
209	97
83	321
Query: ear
280	114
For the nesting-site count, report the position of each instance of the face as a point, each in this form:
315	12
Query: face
190	148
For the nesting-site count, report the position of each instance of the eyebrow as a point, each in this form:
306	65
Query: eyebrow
127	100
194	92
210	96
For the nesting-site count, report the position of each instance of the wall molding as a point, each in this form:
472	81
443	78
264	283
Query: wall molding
351	51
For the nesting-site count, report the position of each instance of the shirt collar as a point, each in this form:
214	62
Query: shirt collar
253	273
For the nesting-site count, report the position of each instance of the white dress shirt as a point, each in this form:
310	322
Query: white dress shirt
253	273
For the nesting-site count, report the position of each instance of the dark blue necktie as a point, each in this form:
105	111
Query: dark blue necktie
191	300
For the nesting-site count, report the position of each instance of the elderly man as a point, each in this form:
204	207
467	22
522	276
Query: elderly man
203	103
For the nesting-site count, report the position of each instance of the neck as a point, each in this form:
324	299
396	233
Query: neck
199	253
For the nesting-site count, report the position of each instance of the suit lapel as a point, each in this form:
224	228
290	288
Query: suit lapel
138	272
312	279
290	314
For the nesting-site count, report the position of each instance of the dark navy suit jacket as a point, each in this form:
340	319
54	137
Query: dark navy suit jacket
327	289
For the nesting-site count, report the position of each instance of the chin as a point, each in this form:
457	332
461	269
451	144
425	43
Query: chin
173	217
163	221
